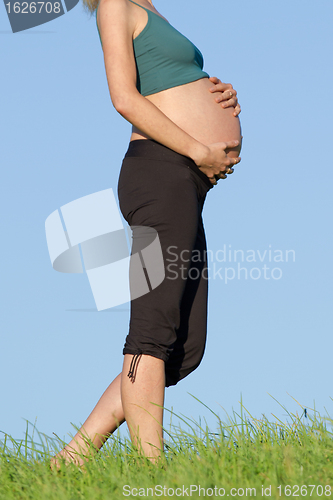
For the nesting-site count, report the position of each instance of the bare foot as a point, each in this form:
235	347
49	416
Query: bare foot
67	457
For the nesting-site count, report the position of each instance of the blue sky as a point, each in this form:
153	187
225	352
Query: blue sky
62	139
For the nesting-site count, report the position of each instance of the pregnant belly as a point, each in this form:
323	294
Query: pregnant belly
194	109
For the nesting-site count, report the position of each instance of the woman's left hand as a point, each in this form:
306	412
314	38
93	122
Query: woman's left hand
228	97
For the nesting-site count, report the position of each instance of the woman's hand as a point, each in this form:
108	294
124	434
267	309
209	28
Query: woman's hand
228	97
215	162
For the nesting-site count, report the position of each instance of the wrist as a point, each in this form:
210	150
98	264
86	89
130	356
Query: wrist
198	153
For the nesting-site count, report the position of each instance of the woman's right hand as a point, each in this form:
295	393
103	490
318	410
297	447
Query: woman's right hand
215	162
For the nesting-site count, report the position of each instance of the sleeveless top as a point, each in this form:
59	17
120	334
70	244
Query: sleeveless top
164	57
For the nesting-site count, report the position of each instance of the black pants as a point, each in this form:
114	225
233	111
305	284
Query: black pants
161	189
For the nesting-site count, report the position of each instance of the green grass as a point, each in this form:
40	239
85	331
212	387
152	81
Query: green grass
242	453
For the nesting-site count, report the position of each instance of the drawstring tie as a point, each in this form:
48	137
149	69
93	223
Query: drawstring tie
133	367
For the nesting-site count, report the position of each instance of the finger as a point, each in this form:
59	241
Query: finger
231	103
225	89
231	162
229	94
228	170
212	180
216	81
222	87
230	144
226	86
235	160
225	96
237	110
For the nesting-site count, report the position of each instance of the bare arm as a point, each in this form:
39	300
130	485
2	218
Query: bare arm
117	24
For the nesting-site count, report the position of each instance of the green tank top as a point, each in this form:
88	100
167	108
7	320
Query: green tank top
164	57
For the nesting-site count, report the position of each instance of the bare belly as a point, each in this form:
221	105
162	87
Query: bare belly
194	109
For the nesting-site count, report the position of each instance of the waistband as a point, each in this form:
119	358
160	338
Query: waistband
156	151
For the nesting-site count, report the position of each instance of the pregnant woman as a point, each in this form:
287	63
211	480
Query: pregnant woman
186	136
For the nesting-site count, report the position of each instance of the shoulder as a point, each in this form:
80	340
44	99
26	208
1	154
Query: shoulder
114	12
105	6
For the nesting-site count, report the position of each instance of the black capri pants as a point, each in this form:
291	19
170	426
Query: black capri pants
164	190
